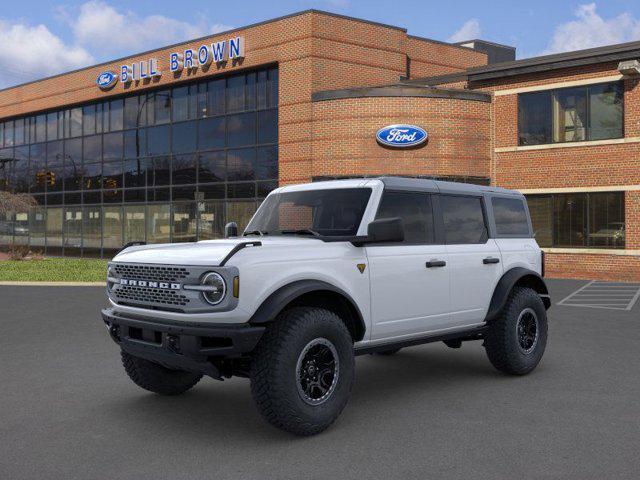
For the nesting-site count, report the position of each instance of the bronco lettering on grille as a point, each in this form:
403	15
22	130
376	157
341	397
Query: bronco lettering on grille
149	284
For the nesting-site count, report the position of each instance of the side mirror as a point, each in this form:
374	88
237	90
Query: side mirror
385	230
231	230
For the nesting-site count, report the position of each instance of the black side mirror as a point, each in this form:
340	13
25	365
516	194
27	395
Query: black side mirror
385	230
231	230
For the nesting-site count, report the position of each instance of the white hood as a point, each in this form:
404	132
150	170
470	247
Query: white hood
208	252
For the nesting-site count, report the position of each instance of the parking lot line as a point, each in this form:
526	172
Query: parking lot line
608	295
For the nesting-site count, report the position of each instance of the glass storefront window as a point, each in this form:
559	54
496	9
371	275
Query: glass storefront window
158	223
134	223
184	222
578	220
107	172
91	230
211	224
72	230
112	228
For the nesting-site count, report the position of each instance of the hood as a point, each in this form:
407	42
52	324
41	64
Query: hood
207	252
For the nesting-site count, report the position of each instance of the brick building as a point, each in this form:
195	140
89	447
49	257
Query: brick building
170	144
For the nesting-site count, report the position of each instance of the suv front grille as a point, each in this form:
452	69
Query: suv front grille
151	273
143	295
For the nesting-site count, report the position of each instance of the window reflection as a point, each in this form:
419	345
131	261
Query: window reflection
215	141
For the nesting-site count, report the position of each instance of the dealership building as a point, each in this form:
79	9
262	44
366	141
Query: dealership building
170	144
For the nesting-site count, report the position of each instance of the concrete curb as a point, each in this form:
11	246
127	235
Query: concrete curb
54	284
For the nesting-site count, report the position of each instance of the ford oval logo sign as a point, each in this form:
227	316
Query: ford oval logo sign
106	80
401	136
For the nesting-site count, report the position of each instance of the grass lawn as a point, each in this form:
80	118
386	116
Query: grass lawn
54	270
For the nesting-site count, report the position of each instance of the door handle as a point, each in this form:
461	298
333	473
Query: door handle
435	263
490	260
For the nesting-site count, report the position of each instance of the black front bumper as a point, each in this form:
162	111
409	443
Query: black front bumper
179	345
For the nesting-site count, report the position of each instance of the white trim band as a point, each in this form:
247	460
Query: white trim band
593	251
588	143
550	86
611	188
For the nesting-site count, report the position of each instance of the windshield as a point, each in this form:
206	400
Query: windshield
326	212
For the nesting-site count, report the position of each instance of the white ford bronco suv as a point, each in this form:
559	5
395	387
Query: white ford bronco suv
326	271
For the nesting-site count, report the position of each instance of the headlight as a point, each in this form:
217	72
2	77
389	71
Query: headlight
215	288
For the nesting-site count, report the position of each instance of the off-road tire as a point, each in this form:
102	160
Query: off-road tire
502	342
156	378
386	353
274	374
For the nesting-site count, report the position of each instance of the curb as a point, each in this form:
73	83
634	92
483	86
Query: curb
54	284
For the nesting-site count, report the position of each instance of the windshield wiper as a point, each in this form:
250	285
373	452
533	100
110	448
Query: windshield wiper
255	232
301	231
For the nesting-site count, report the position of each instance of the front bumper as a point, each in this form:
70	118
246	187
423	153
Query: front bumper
179	345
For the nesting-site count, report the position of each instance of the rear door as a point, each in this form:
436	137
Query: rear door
410	279
474	258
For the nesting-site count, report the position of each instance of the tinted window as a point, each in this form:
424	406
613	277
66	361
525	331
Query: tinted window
415	211
510	216
463	219
590	112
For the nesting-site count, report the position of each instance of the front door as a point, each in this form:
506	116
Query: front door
409	280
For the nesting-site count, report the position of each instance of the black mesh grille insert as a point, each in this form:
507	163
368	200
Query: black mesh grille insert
152	273
134	294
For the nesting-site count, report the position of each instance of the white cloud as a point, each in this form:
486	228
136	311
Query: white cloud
469	31
29	52
107	31
98	32
589	29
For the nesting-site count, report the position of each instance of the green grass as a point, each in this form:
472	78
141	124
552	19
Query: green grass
54	270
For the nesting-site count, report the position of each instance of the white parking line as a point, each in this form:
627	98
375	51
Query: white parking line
613	296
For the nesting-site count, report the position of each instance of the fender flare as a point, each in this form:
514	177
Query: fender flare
278	300
509	280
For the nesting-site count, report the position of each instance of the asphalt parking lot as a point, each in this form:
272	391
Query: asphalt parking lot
67	409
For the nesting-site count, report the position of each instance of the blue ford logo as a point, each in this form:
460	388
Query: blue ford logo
106	80
401	136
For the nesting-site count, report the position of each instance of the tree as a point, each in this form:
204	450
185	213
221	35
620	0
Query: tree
16	202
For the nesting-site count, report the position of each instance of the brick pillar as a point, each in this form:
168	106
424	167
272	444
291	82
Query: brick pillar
632	219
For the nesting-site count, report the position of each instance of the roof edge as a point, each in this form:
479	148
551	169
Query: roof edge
225	32
400	90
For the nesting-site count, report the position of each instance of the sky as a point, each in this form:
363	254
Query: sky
39	38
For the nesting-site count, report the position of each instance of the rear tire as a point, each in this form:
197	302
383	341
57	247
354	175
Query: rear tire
302	370
156	378
516	341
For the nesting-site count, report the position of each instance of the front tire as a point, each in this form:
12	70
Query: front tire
156	378
516	341
302	370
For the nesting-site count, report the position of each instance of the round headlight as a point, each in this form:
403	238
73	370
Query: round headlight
216	288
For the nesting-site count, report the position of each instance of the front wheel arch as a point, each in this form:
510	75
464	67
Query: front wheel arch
312	293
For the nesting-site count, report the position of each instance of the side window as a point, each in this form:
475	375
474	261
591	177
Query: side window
511	216
414	209
463	219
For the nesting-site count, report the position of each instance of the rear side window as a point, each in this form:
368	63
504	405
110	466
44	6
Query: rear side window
414	209
511	216
463	219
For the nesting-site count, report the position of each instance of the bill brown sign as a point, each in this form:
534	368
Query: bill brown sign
189	59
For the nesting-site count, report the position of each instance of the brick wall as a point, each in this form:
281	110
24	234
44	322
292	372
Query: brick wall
429	58
573	167
344	136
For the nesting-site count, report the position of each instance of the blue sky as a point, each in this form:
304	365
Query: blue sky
42	37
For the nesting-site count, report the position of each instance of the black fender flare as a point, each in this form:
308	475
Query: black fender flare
278	300
517	275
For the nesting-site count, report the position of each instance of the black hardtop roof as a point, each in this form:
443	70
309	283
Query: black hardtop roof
425	184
